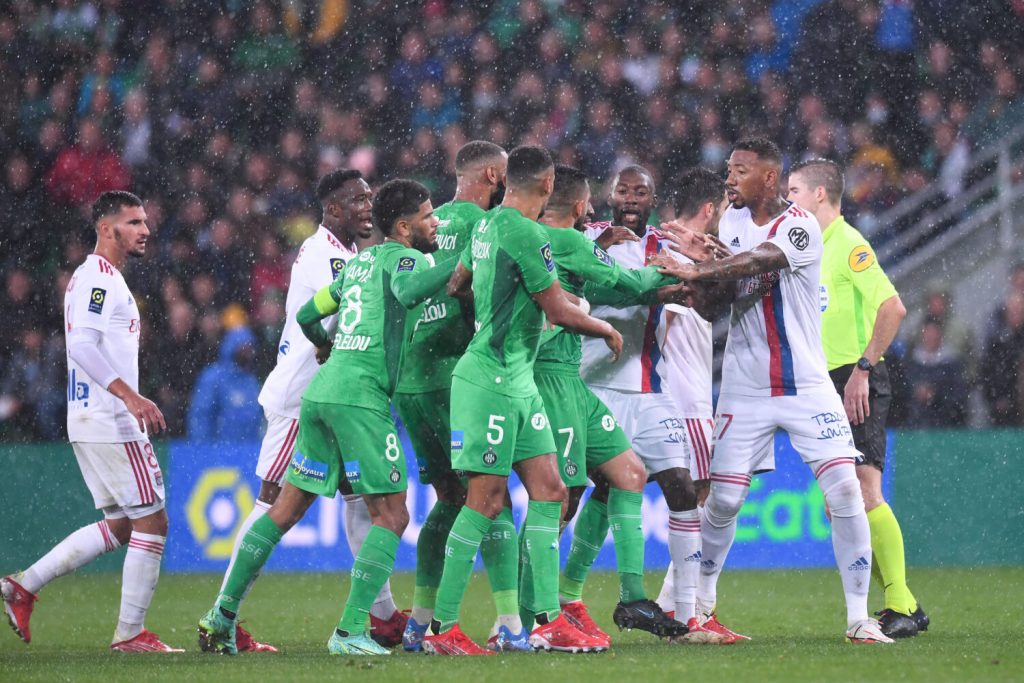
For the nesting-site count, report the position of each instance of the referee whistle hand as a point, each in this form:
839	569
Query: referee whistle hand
855	397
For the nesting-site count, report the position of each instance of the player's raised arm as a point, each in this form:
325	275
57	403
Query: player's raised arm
413	287
561	312
764	258
324	303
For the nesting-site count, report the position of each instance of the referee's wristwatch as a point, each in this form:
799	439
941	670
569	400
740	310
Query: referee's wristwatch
864	364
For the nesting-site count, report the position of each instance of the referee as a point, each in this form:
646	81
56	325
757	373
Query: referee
861	313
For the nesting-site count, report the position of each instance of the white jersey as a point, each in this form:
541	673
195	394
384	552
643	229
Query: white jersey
320	260
774	346
689	352
98	298
642	367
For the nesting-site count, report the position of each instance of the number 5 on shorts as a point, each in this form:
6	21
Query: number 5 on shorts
492	425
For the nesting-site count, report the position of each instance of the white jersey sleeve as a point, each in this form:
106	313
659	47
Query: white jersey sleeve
774	346
688	349
317	264
98	298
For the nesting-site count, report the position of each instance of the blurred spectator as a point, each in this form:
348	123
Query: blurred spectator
86	168
936	375
174	360
32	403
223	405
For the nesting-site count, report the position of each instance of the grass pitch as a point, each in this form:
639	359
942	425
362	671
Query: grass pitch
795	618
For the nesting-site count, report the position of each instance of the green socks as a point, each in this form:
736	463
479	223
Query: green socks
624	519
256	547
430	553
460	554
501	558
540	536
588	537
887	550
373	566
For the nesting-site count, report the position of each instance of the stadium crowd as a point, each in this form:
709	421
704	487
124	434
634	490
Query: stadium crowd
222	115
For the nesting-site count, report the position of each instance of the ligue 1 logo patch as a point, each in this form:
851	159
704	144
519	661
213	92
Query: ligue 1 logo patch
337	265
602	255
799	238
861	258
490	457
549	260
395	475
406	263
96	300
571	469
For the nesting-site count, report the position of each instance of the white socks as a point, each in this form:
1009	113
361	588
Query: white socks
138	582
851	535
684	547
257	511
718	530
81	547
357	526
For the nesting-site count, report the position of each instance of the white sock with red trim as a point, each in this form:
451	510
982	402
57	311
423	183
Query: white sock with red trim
81	547
138	582
357	526
851	534
718	531
684	546
257	511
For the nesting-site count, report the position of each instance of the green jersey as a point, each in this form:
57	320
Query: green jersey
511	259
853	286
436	335
581	262
371	296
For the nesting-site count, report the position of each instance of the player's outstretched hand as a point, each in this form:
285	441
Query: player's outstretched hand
669	265
681	294
323	353
151	420
855	397
614	342
616	234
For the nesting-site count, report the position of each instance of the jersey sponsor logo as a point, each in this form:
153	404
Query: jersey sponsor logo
490	457
337	265
446	242
405	263
549	259
97	299
861	258
735	242
602	255
799	238
608	423
458	437
539	421
308	469
762	283
823	297
352	471
282	350
77	391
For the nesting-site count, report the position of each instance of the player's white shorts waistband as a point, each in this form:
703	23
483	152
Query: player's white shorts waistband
745	426
653	425
277	447
123	478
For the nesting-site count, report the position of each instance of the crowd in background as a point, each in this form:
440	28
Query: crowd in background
222	115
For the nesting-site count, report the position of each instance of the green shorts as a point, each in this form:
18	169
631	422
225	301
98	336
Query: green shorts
360	442
491	431
585	431
427	419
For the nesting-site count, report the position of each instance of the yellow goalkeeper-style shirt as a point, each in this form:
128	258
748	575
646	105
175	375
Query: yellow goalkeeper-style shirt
853	286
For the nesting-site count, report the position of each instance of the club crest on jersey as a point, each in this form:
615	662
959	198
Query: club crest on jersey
602	255
490	457
96	300
405	263
799	238
395	475
549	259
337	265
861	258
571	469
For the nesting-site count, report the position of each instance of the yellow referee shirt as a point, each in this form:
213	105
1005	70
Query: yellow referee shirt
853	286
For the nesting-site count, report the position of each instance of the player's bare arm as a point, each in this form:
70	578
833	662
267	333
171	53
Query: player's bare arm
563	313
460	284
696	246
151	420
887	323
615	234
763	258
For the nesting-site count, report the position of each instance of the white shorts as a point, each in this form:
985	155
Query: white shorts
745	428
699	431
124	478
277	447
653	426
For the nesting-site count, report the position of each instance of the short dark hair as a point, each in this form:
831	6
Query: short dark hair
638	170
395	199
823	173
330	183
526	164
475	152
765	149
111	202
694	188
570	184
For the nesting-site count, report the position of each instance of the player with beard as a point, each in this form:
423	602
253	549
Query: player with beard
436	335
774	377
346	431
109	424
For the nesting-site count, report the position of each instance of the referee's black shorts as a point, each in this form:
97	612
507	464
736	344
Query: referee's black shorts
869	437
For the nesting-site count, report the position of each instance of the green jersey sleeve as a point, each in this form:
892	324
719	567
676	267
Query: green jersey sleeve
581	256
467	257
324	303
527	246
634	287
414	280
